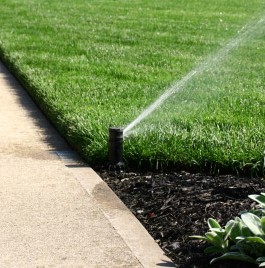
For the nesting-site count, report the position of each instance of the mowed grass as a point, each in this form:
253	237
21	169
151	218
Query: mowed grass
95	64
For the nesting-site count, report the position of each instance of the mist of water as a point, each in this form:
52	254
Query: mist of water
246	33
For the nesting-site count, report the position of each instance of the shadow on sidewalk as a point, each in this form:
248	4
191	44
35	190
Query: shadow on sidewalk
49	134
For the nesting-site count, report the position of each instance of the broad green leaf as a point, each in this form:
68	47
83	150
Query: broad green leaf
233	256
213	249
233	229
245	231
262	222
252	246
255	239
228	228
258	212
214	239
212	223
253	223
258	198
260	259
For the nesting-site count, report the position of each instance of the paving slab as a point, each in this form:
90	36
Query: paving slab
55	210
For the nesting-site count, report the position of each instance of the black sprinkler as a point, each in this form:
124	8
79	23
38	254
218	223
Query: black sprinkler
115	147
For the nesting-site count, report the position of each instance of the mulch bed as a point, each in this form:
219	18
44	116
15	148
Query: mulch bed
173	206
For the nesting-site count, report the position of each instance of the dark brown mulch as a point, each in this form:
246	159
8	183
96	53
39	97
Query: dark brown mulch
173	206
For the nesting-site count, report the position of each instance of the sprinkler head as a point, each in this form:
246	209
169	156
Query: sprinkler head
115	146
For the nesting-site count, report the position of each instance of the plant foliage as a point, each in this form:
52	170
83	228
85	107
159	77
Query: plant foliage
242	238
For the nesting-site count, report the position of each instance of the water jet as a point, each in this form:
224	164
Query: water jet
115	147
248	31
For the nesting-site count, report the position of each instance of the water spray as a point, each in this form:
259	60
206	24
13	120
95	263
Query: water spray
249	30
115	147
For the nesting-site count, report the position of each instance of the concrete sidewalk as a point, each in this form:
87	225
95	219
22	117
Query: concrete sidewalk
55	210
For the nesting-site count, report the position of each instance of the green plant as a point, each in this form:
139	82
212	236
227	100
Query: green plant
216	237
242	238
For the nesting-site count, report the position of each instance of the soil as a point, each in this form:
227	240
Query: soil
175	205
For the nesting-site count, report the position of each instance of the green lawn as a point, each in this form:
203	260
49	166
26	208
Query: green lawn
95	64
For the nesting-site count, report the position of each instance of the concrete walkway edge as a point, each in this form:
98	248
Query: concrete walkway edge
49	197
